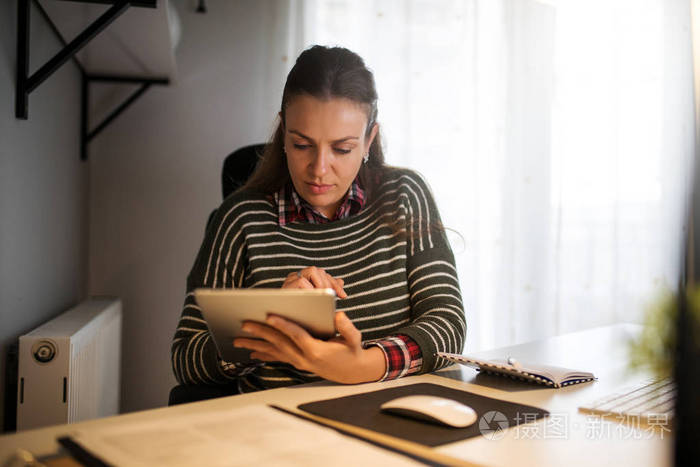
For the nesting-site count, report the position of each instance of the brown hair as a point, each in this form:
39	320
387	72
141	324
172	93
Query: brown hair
324	73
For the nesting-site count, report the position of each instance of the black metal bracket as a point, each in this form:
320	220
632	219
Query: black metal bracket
86	134
26	83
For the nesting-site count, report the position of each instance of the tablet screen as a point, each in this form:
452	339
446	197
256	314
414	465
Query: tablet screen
225	310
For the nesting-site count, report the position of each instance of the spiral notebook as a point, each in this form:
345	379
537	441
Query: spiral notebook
553	376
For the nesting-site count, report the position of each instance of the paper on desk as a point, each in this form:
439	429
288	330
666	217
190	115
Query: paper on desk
249	435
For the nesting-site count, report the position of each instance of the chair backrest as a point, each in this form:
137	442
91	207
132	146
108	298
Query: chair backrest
239	166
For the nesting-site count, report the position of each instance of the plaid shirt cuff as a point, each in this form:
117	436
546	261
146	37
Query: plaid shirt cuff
402	355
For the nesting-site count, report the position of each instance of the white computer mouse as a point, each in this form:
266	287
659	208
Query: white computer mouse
433	409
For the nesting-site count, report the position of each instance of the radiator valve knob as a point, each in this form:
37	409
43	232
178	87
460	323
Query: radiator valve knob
44	352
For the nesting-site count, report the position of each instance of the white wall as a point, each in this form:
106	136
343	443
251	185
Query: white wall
155	177
43	191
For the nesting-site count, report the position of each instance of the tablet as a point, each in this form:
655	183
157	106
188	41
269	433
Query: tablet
225	310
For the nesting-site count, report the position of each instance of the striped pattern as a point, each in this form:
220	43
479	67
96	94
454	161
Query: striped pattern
397	266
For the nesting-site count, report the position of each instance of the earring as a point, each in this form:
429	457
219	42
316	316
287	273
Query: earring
366	158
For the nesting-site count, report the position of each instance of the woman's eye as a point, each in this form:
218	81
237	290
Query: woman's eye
342	151
301	146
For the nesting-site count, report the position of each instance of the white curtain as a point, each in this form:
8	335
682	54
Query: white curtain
557	137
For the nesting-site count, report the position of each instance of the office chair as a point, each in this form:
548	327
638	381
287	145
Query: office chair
238	167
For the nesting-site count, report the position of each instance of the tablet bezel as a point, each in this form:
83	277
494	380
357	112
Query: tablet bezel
225	310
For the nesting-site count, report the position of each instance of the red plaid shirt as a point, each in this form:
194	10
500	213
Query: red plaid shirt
293	208
402	355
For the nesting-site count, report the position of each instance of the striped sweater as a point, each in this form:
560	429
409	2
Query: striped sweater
397	265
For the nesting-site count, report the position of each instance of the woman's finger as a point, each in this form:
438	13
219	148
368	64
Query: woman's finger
298	335
260	348
274	342
317	277
295	281
314	278
254	344
265	357
348	330
303	283
291	277
337	285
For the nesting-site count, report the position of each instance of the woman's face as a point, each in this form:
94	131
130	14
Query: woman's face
325	143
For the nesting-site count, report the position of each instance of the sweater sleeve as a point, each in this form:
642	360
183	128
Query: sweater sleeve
220	263
438	322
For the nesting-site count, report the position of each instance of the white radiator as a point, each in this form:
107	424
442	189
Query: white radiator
70	367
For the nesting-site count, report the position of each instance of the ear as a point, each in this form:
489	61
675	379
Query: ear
372	134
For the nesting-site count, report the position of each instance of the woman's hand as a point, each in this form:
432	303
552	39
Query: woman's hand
314	278
341	359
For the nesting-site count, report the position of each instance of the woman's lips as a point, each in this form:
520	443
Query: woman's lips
318	189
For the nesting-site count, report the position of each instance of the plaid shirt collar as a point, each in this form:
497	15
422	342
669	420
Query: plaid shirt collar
292	208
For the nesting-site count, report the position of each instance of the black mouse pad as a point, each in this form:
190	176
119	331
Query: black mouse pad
363	410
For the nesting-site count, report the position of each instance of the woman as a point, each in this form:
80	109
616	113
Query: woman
323	210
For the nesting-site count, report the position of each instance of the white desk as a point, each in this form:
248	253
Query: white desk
574	439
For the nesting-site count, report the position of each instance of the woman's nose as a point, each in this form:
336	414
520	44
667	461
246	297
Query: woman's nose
319	165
